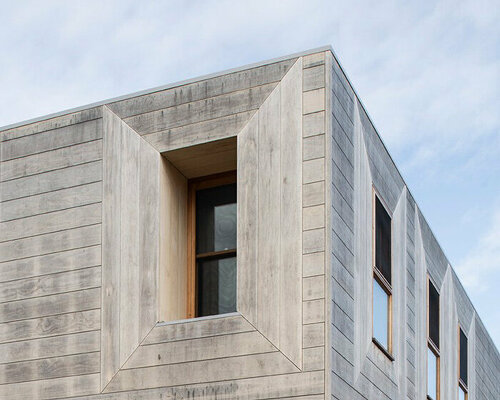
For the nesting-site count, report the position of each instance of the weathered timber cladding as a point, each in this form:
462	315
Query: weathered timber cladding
50	257
360	162
93	221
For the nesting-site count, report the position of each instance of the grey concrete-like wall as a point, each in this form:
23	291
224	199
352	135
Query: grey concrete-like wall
85	207
88	198
50	256
360	164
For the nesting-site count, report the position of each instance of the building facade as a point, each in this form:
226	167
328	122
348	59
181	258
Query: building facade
123	275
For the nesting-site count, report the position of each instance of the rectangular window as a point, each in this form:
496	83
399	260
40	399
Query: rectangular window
462	362
432	341
432	375
382	278
212	249
380	314
382	241
433	304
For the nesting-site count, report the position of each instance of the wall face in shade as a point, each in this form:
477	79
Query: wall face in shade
92	249
361	164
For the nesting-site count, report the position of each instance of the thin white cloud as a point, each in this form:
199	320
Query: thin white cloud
483	261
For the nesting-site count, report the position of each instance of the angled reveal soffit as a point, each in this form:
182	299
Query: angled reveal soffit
201	111
137	351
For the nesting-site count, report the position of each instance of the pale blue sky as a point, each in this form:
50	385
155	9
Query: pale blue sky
428	73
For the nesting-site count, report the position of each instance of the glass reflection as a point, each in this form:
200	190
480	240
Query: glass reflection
225	227
216	250
216	286
380	314
461	394
216	219
227	285
431	374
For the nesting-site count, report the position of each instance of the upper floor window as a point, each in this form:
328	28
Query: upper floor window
383	259
433	317
433	358
382	277
212	245
462	364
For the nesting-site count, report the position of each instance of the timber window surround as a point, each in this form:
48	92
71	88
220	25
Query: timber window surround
462	365
433	355
382	276
211	275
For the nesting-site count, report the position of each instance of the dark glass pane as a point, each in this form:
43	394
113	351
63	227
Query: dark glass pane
434	314
463	357
382	240
225	227
216	219
227	285
380	315
216	286
431	374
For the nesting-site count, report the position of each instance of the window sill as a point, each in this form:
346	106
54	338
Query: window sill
382	349
196	319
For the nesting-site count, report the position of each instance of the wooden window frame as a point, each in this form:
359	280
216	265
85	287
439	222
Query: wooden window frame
194	185
379	277
461	383
430	343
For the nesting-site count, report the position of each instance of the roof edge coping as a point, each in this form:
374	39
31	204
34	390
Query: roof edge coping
164	87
